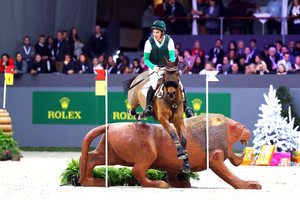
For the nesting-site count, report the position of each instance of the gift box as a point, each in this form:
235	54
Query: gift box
285	162
296	159
277	156
248	156
265	156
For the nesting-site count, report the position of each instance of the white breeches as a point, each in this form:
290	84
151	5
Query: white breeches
155	76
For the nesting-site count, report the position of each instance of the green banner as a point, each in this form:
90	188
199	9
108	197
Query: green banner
86	108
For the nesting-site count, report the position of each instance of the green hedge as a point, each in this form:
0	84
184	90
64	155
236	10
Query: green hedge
120	176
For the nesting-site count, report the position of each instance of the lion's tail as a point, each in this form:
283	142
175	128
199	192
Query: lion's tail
85	149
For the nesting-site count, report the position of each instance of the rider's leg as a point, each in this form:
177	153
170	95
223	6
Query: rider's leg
151	91
188	111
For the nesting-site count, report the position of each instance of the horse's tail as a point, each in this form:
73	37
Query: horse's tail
126	84
85	149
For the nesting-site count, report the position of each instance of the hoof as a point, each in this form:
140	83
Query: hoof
131	112
186	168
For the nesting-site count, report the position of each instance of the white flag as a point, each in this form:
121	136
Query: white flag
211	76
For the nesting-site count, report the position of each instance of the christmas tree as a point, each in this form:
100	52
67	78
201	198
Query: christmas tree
272	128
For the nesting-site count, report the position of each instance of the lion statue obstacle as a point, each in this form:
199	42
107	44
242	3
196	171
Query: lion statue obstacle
143	146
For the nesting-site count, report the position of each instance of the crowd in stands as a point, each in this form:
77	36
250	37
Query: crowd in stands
179	16
67	54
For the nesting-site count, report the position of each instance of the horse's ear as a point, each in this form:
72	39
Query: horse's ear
165	61
176	61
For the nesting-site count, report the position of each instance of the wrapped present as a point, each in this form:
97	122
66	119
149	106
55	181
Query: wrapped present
265	156
285	162
248	156
296	159
277	156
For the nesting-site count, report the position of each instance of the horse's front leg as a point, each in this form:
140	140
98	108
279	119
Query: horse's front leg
167	126
180	128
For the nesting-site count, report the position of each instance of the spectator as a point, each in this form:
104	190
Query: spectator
189	59
41	48
232	57
5	61
68	65
198	65
111	66
212	25
292	47
296	66
265	52
176	26
216	54
248	55
20	65
251	69
69	43
61	50
201	11
178	47
271	60
142	63
96	65
274	7
39	65
97	45
285	61
123	67
234	69
259	59
147	23
160	9
76	43
83	65
208	67
284	49
28	52
102	61
136	67
177	53
240	48
278	45
225	67
197	50
281	70
242	64
294	13
254	50
232	46
297	48
236	9
261	68
51	53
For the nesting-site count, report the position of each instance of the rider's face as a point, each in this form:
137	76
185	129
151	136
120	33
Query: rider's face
157	34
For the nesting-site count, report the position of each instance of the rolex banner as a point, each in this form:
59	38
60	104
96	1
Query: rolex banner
86	108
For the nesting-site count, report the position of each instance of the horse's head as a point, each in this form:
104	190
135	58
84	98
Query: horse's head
171	77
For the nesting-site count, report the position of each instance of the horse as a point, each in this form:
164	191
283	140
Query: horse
167	105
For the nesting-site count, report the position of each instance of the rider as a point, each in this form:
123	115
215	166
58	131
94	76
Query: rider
156	47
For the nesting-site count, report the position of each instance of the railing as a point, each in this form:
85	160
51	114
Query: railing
222	20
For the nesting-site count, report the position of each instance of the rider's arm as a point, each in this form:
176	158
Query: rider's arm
147	61
147	51
171	48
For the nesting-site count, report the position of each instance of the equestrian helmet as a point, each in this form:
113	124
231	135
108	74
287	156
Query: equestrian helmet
160	25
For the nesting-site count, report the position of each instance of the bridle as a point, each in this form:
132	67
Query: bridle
167	84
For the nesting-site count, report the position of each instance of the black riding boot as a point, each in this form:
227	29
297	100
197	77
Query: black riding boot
148	111
188	111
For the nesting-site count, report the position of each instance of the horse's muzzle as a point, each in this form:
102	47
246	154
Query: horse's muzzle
171	95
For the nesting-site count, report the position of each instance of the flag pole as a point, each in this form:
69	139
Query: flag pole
207	133
106	133
4	90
